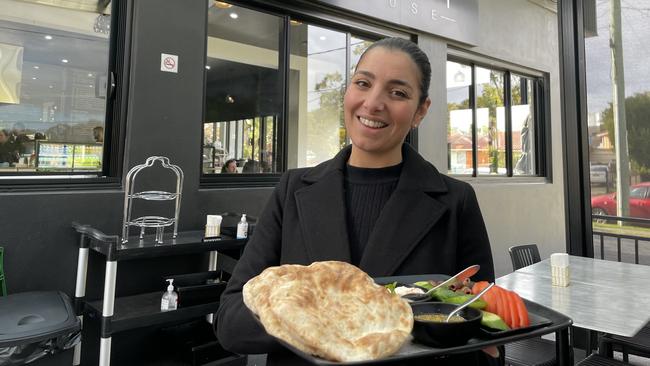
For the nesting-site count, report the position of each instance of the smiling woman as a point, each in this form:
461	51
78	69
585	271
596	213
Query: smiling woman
344	209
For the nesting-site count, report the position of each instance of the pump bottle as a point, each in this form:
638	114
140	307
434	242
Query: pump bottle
242	228
169	299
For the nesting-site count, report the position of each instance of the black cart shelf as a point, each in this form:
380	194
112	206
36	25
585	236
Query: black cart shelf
142	310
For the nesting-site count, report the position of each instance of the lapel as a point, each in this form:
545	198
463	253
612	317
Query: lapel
321	210
407	216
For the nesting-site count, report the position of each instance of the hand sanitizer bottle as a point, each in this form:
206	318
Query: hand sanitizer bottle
242	228
169	299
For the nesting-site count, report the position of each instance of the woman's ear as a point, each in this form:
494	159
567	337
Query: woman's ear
422	110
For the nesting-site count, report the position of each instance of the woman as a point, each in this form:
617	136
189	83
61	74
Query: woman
377	204
230	166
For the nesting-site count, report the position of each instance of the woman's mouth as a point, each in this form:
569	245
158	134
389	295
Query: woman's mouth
372	124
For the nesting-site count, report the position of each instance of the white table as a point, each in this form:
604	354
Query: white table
603	296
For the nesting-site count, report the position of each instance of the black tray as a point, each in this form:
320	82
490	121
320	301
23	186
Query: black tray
545	321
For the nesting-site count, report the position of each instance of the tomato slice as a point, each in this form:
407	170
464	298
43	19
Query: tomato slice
524	320
491	301
502	308
479	286
512	304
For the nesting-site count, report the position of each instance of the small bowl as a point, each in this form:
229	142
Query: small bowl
440	334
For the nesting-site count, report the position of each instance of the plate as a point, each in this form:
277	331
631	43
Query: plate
536	321
412	350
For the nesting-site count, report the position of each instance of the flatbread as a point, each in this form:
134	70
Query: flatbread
330	309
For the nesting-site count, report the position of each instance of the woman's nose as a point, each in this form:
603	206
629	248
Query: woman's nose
374	101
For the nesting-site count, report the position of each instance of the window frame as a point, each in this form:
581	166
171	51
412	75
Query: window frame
114	123
541	98
286	13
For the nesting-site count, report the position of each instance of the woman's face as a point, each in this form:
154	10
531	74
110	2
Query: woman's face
232	167
381	105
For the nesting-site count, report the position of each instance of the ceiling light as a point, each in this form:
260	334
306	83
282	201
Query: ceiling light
48	37
322	38
222	5
34	78
64	60
234	15
207	67
230	99
50	86
295	22
90	75
90	85
36	67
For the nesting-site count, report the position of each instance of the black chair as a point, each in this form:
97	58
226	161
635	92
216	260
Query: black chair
534	351
523	255
638	345
597	360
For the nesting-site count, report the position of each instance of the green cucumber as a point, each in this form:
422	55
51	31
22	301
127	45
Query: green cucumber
460	299
493	321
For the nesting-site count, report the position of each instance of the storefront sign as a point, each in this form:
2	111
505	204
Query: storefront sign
453	19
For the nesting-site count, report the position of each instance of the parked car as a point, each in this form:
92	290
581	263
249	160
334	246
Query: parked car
639	200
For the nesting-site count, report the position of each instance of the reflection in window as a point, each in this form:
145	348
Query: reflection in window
243	91
490	122
459	138
245	122
317	85
523	125
484	136
53	83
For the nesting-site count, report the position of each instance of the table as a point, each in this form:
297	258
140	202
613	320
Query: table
603	296
123	313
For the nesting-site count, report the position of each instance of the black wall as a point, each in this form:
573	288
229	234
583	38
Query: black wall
164	117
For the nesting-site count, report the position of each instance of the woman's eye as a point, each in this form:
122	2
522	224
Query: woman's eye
362	83
399	93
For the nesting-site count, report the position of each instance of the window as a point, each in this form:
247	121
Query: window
54	63
265	112
493	121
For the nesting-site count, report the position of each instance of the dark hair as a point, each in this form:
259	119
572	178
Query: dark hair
415	53
224	168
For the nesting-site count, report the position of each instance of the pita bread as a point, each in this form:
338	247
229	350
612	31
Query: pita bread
329	309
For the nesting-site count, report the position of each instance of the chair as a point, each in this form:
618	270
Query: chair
3	284
597	360
523	255
534	351
638	345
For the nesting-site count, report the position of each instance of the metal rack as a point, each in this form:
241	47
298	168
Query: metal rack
158	222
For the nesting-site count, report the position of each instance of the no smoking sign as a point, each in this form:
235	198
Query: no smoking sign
168	63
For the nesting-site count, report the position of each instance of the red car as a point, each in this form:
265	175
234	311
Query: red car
605	204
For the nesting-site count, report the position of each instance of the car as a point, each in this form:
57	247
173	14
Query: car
639	200
599	175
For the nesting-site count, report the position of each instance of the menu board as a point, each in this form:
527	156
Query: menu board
63	156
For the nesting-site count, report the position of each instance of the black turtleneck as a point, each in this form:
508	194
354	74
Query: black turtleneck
366	192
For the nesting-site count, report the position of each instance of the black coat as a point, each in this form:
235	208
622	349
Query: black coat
431	224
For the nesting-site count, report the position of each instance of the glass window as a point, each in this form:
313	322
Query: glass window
245	129
459	136
523	125
317	86
617	75
243	95
53	85
490	122
638	192
487	136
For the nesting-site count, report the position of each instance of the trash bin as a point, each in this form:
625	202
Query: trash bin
36	324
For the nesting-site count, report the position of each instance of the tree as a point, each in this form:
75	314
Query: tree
637	114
